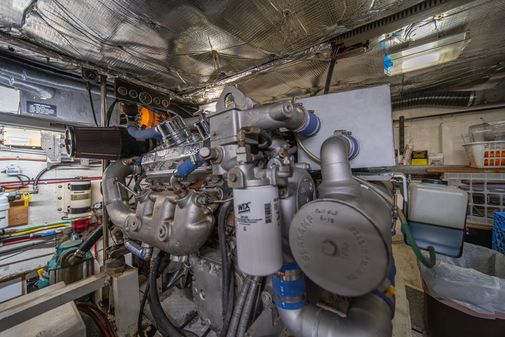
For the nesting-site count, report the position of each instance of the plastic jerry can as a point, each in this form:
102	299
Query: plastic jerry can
437	216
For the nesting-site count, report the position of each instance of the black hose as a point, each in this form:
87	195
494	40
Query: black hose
140	326
23	183
229	309
110	111
226	265
164	325
91	240
331	67
40	174
447	98
91	103
266	140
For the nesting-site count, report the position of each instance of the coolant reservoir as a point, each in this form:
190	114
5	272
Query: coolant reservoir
437	215
259	249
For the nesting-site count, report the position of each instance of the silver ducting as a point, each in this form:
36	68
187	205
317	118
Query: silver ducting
335	168
342	241
367	316
115	197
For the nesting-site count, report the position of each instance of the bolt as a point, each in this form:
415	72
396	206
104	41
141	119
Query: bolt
205	152
329	248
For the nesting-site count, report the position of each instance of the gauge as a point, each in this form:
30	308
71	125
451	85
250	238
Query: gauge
145	98
133	93
164	103
157	100
122	91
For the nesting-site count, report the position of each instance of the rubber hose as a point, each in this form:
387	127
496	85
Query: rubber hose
91	240
239	307
229	309
248	306
40	174
221	231
266	140
166	327
412	243
447	98
140	327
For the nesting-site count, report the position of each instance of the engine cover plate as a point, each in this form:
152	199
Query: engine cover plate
339	247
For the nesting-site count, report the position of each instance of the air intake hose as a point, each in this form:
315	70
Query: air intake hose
447	98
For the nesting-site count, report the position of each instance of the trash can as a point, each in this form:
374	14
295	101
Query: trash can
465	296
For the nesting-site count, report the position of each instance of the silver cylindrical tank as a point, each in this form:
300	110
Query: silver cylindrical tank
259	248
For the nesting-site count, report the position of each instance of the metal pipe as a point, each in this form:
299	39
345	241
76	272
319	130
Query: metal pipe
368	316
282	115
118	211
335	168
105	163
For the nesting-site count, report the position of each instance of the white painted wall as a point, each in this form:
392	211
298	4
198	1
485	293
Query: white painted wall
442	133
44	205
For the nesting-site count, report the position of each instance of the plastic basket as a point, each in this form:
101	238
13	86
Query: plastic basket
498	240
486	194
486	154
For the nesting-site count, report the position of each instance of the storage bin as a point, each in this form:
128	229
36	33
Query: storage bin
486	154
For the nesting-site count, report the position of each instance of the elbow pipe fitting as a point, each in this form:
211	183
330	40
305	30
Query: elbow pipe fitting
368	316
113	196
335	167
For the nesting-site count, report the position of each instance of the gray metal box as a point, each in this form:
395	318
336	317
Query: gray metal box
366	113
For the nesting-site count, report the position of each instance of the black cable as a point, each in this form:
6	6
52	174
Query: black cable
226	265
140	326
40	174
91	103
23	183
231	304
166	327
110	110
331	66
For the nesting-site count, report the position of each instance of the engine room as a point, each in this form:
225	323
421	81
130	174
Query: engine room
252	168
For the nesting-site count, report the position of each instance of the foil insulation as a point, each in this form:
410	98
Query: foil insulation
188	47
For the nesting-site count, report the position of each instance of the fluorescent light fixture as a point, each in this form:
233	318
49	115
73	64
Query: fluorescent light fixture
426	55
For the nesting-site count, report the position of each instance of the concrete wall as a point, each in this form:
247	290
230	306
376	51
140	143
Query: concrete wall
442	134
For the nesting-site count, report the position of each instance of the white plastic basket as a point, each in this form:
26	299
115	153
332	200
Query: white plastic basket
486	154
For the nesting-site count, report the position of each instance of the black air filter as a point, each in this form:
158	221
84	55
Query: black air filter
108	143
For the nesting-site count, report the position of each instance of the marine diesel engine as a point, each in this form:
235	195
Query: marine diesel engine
265	244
